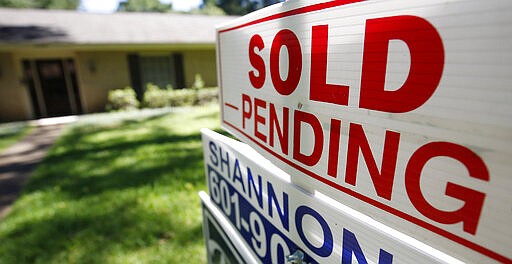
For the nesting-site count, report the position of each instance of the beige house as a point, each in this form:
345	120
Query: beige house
55	63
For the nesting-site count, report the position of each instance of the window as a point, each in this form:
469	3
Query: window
159	70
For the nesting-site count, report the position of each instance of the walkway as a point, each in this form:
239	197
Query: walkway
18	161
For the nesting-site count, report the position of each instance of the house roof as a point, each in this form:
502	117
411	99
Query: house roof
27	26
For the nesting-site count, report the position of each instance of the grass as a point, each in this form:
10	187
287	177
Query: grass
116	192
11	133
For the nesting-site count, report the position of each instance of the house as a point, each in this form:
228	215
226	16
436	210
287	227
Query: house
55	62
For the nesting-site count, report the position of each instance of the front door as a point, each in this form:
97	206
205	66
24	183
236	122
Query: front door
53	87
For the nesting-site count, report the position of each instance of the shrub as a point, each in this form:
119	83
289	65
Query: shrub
122	99
154	97
186	97
207	95
198	82
183	97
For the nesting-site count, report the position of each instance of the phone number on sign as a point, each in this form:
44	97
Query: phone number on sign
262	213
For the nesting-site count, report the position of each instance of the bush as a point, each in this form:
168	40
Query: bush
154	97
207	95
198	82
186	97
122	99
183	97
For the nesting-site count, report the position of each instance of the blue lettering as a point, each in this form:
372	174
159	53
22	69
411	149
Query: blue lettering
213	154
251	183
237	174
385	257
350	244
224	161
283	214
327	247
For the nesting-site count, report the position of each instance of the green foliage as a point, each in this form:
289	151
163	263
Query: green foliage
115	192
187	97
183	97
42	4
122	99
143	6
18	3
198	82
154	97
207	95
210	9
236	7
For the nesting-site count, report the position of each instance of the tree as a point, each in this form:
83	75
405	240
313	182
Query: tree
238	7
143	6
209	8
41	4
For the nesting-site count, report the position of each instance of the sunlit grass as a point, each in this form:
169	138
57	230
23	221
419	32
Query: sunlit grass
117	192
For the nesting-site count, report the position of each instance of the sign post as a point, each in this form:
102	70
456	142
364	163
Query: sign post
401	110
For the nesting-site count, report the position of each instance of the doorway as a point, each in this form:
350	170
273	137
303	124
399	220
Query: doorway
53	87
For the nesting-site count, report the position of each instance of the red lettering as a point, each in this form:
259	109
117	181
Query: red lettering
383	180
469	213
258	119
427	60
334	148
257	62
246	111
288	39
303	117
281	133
320	90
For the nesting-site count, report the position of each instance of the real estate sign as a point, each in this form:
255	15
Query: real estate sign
222	242
274	218
399	109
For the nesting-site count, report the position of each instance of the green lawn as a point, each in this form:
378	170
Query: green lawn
123	191
12	132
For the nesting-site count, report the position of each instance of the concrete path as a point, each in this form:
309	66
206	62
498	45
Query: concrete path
19	161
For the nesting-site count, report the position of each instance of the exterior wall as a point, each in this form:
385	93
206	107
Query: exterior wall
14	97
102	71
98	73
202	62
111	71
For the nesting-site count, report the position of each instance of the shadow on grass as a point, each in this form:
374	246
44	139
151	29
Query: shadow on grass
97	168
93	237
112	190
124	160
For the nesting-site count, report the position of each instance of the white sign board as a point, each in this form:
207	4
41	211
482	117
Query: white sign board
275	218
399	109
